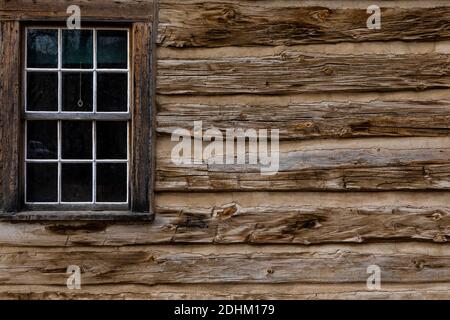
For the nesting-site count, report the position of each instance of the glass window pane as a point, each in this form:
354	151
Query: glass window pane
76	140
42	91
76	182
42	48
42	182
112	92
112	49
111	140
111	182
77	49
77	91
42	140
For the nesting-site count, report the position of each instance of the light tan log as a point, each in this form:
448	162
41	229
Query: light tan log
333	165
246	23
305	120
294	71
236	223
226	264
121	10
229	291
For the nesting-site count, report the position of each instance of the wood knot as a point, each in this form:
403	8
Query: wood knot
436	216
229	14
226	211
421	87
418	264
321	15
270	271
328	71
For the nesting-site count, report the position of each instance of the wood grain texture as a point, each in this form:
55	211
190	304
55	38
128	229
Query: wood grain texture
235	223
335	167
250	23
297	120
293	71
91	10
184	265
228	292
141	173
10	125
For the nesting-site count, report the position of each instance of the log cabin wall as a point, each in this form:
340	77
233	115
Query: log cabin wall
364	157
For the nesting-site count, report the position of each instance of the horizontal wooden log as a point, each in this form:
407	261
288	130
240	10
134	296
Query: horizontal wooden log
293	71
235	223
247	23
297	120
308	225
91	10
340	166
176	265
228	291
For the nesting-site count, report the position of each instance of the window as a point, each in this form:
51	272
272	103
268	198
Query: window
76	118
79	139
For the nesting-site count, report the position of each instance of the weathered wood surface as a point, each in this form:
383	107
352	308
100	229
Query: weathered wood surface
249	23
183	264
229	292
297	120
9	115
335	167
293	71
233	223
140	176
91	10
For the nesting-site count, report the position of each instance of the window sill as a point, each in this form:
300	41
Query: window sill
76	216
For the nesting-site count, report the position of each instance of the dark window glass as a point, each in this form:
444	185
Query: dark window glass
112	49
111	139
77	49
76	140
42	182
42	91
42	48
112	93
76	182
77	91
42	140
111	182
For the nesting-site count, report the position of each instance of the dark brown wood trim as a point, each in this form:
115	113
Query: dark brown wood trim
10	114
75	216
142	136
92	10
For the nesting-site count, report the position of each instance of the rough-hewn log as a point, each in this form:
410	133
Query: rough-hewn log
233	223
231	264
245	23
308	225
9	115
293	71
334	167
307	120
229	291
91	10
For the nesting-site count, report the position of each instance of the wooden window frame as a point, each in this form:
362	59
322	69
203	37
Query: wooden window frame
142	145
